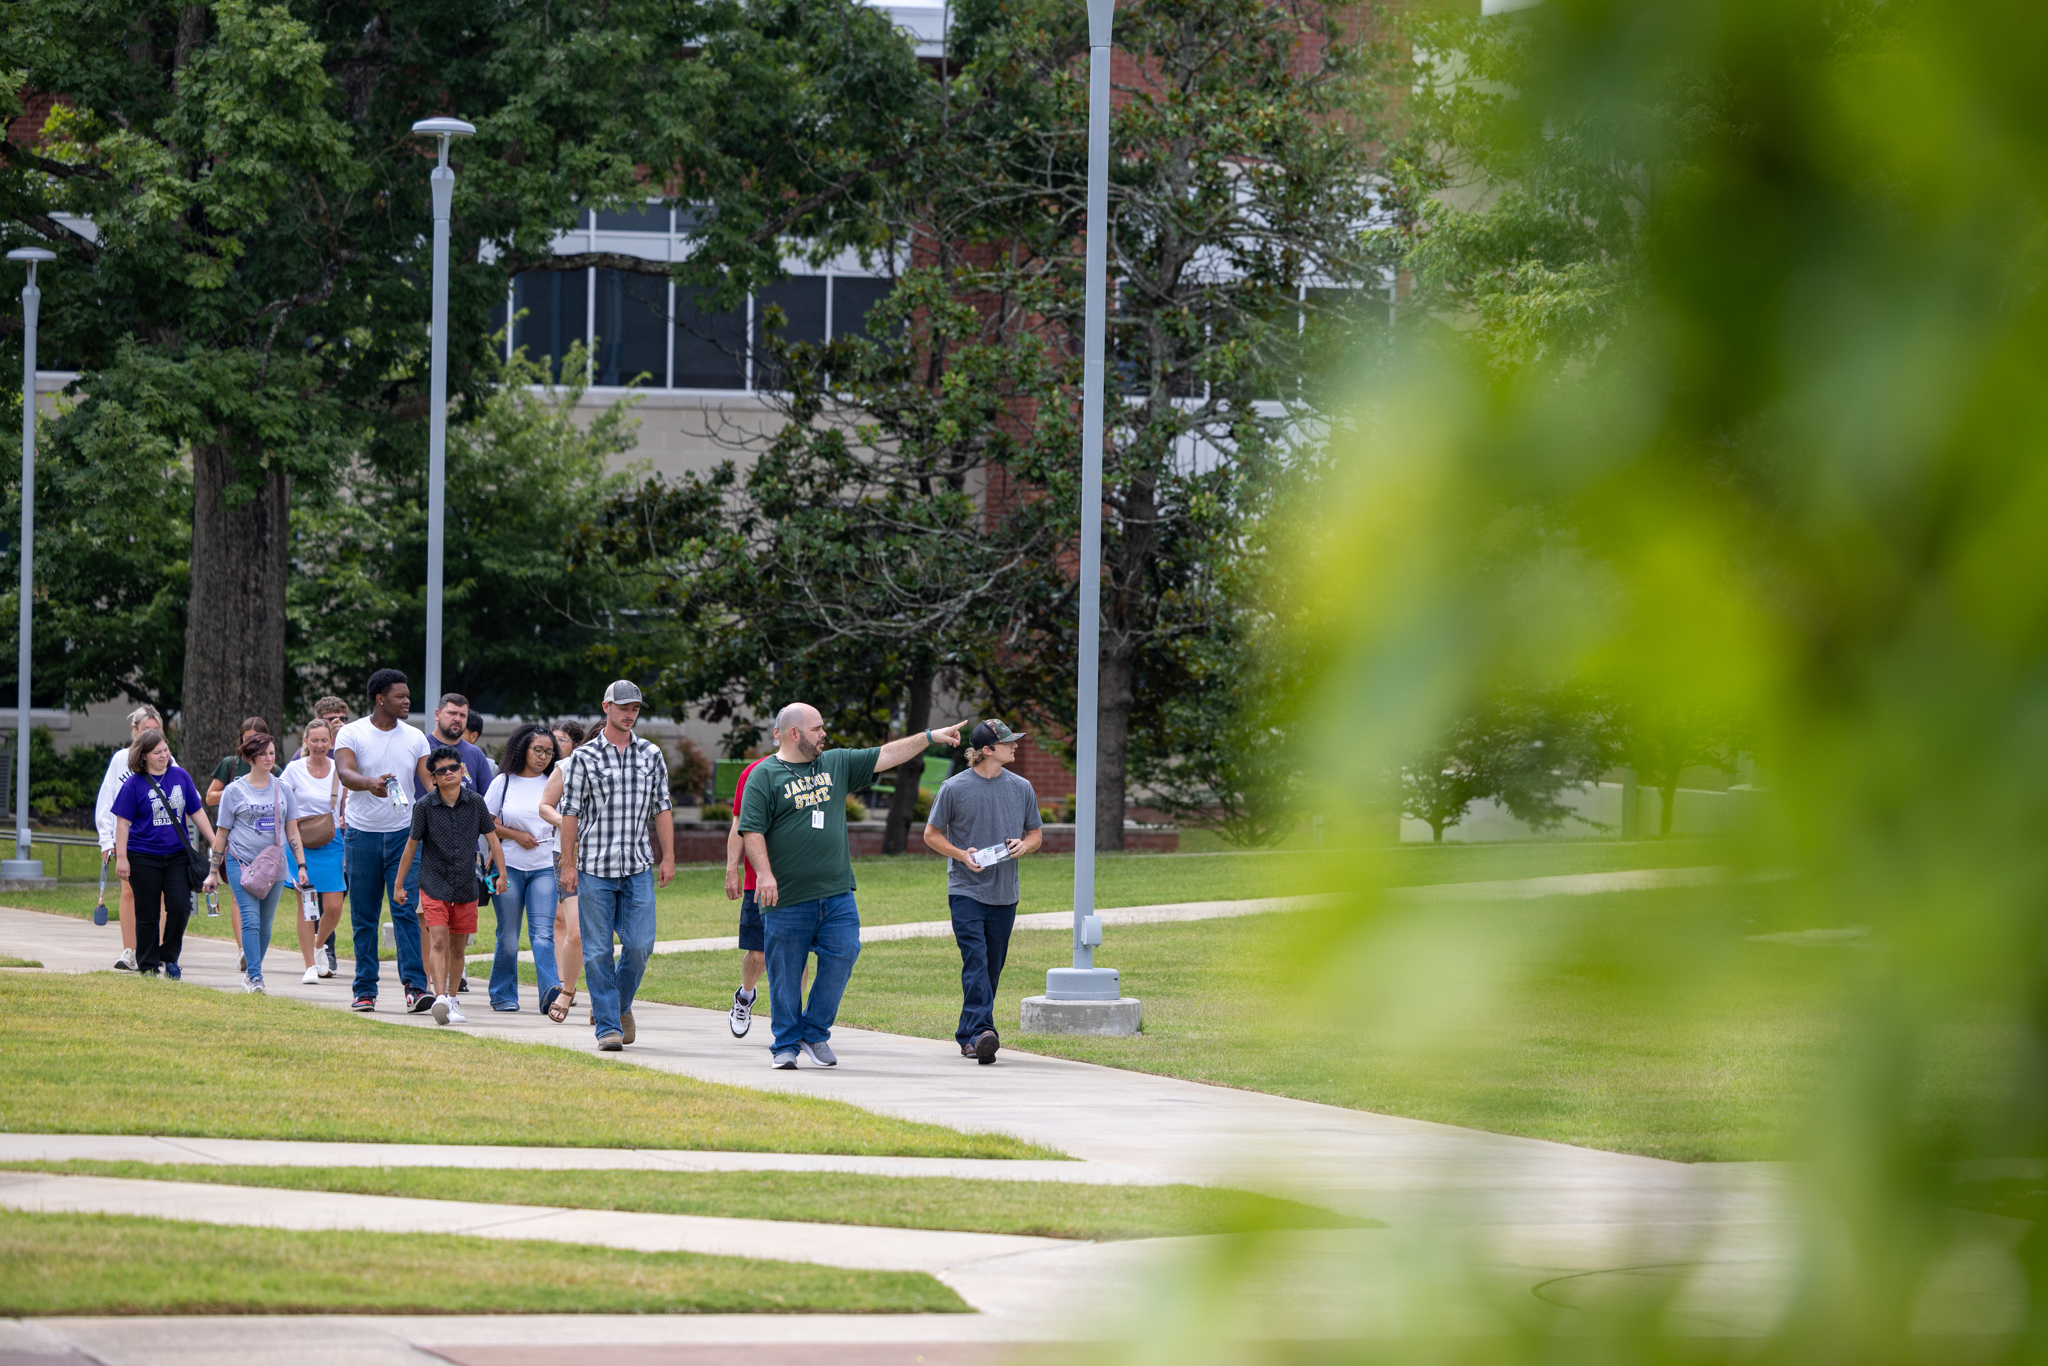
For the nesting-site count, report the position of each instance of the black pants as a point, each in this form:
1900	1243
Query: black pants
162	882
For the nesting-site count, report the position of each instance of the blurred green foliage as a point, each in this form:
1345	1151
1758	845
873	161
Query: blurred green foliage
1720	396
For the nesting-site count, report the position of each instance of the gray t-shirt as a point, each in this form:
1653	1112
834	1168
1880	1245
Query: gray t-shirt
249	816
975	812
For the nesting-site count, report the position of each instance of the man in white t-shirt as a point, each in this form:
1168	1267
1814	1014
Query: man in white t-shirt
380	757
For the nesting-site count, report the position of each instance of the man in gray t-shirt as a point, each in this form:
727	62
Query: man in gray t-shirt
984	820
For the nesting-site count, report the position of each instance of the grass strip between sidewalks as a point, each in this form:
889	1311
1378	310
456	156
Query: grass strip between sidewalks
1042	1209
104	1053
115	1264
1553	1020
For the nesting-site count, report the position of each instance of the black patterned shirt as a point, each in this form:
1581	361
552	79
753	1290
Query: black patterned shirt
613	794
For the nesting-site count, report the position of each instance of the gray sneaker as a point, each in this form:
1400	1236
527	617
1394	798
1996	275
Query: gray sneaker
610	1043
819	1053
626	1031
784	1061
333	963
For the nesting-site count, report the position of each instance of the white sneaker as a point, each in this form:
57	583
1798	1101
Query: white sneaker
320	968
455	1015
442	1005
253	986
741	1017
126	962
312	976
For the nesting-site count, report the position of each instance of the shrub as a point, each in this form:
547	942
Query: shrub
717	811
62	784
922	807
855	811
689	772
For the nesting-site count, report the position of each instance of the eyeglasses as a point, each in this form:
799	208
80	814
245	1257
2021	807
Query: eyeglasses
445	772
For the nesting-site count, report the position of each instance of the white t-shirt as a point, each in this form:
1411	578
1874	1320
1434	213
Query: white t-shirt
516	802
380	752
312	795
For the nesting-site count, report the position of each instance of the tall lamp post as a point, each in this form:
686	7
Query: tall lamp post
21	865
1085	998
443	181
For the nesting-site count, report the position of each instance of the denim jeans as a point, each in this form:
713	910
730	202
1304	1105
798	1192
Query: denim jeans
828	927
257	915
608	907
372	865
983	933
530	895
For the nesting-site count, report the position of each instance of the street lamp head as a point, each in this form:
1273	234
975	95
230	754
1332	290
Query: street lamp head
32	255
1101	16
444	129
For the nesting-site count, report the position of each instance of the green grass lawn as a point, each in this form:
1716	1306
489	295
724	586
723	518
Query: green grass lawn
1042	1209
8	960
1642	1022
109	1053
111	1264
895	890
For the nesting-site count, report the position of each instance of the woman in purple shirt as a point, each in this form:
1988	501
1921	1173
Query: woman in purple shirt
150	812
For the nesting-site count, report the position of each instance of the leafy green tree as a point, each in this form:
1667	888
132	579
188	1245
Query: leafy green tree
113	527
1524	750
1244	160
259	221
523	479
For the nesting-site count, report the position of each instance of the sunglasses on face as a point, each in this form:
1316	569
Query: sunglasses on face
446	772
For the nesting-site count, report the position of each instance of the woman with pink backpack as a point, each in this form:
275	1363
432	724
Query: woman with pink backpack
256	848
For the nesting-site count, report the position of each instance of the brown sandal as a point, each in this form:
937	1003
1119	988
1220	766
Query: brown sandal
558	1009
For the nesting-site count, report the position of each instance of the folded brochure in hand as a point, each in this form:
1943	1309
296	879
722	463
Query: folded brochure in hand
992	855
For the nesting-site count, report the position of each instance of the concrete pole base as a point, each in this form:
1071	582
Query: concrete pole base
22	870
1105	1019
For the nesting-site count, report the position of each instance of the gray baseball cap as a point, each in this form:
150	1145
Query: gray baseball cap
623	693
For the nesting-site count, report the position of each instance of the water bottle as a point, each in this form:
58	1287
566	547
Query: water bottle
309	905
401	800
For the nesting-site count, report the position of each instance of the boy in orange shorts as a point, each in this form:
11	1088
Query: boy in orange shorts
445	828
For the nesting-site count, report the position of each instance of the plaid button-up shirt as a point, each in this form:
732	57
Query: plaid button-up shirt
613	794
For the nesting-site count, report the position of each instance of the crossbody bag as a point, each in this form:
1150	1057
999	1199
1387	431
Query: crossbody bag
316	832
197	863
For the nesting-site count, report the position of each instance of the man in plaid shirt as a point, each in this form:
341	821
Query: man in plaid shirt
617	784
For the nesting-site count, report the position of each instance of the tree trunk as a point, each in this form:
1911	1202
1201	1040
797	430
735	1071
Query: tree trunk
1115	697
234	631
917	714
1670	795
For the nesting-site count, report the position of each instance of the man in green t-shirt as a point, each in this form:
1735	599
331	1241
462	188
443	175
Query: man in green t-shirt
793	830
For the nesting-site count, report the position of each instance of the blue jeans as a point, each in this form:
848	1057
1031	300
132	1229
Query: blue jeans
607	907
983	933
372	866
828	927
528	894
257	916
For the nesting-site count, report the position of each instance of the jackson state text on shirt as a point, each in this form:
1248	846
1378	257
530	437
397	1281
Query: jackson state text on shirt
815	790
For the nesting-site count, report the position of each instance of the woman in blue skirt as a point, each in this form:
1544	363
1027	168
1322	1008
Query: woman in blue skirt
315	785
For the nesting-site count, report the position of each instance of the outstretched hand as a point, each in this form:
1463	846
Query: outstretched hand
949	736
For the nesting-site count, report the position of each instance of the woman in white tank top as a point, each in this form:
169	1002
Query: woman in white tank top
526	768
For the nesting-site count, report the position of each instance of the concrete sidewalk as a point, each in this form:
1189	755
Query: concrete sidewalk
272	1152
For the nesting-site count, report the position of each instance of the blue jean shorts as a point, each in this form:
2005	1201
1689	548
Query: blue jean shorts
753	930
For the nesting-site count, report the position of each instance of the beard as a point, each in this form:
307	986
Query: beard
809	750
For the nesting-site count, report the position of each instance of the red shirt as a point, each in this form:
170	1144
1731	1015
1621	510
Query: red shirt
739	790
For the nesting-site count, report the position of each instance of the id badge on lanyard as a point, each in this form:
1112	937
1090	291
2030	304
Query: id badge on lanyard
818	818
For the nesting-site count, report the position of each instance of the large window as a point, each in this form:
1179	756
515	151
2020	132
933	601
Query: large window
640	327
556	305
